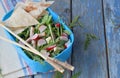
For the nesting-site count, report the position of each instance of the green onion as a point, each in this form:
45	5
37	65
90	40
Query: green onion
51	33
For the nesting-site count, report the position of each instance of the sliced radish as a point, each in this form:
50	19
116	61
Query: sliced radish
50	48
57	25
48	39
35	37
64	34
42	28
42	34
64	38
67	44
41	42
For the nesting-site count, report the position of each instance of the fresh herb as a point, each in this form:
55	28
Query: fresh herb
76	75
58	75
88	39
75	22
67	32
51	33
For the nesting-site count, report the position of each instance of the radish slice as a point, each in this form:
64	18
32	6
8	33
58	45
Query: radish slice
64	34
42	28
50	47
42	34
35	37
41	42
64	38
67	44
48	39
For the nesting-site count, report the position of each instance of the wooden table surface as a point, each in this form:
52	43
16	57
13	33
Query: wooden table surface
102	18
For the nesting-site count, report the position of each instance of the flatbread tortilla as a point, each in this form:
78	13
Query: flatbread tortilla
36	9
20	18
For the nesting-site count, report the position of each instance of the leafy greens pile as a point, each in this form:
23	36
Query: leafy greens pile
48	37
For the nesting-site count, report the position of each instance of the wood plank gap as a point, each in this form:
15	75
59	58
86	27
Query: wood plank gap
106	46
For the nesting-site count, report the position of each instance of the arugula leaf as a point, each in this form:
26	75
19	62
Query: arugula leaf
25	34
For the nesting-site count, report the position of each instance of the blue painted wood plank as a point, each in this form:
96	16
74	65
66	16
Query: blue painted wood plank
92	62
112	25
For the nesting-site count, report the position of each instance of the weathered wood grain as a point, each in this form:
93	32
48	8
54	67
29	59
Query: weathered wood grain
112	25
92	62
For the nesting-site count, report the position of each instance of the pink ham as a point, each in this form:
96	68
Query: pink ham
42	28
41	42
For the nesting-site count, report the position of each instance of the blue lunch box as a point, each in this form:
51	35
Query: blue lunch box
35	65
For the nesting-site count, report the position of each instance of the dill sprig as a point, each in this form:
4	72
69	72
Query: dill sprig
88	39
58	75
75	22
76	75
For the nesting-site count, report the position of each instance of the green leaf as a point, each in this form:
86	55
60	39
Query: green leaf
76	75
74	22
58	75
49	19
45	18
88	39
67	32
25	34
51	33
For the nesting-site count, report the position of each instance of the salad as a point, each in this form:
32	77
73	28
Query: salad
48	37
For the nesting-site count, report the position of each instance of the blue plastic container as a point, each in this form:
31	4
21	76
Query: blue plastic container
35	65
